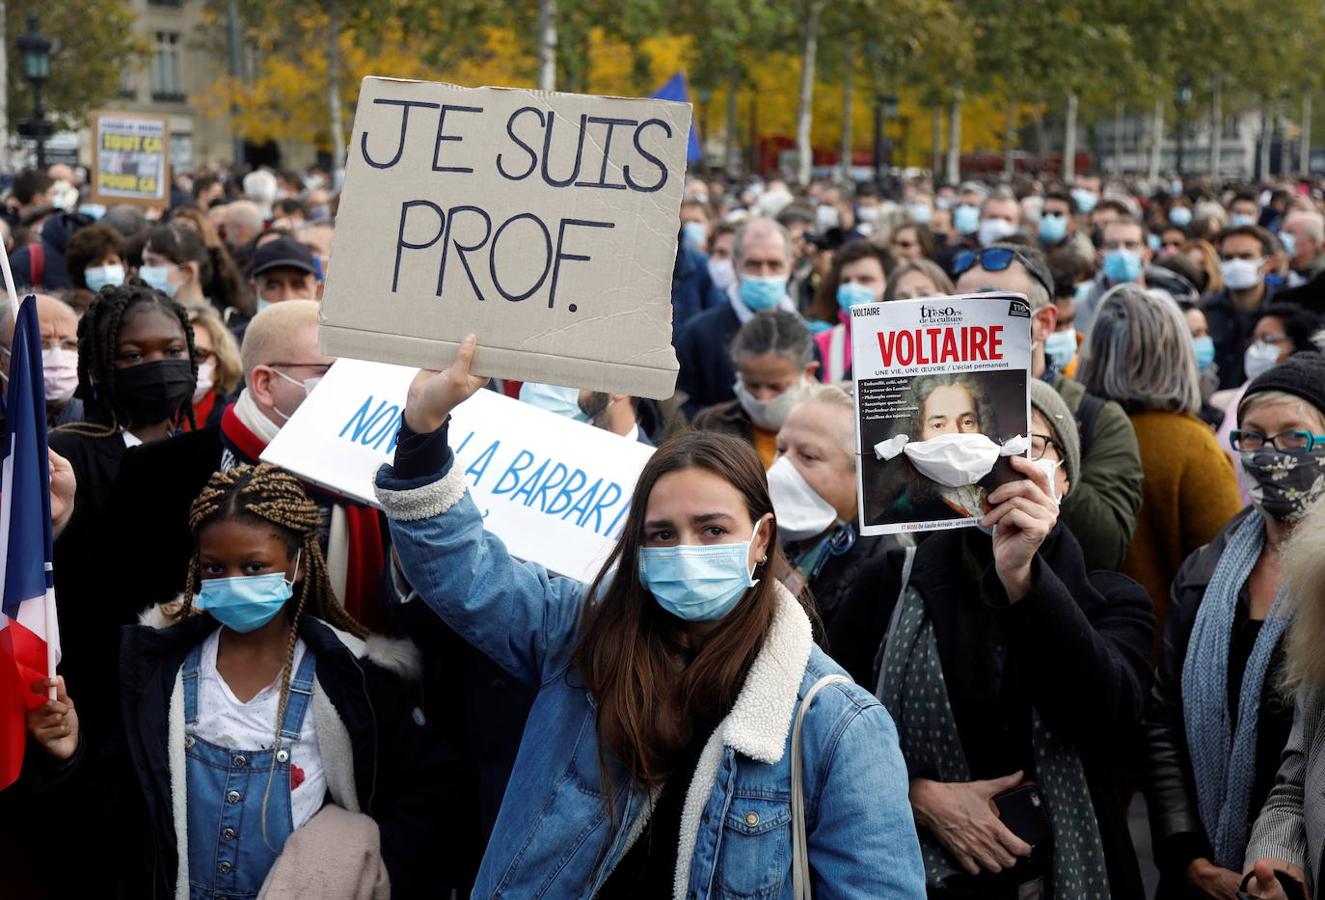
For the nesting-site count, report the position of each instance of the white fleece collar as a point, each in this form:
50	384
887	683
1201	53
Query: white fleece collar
759	722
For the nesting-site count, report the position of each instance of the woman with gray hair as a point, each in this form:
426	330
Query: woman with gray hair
1218	720
774	358
1140	354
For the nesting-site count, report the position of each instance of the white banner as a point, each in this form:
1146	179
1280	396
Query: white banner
555	491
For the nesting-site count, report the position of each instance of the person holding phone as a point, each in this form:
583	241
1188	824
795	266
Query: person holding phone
1016	679
658	759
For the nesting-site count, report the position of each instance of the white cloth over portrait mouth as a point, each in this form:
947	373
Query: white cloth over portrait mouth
952	460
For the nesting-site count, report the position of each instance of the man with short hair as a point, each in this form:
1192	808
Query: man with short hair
239	223
1232	311
31	191
207	189
763	264
1000	217
282	269
1123	256
1058	225
1243	210
158	482
1101	510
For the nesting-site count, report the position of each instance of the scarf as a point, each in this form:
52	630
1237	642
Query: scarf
1223	757
913	690
352	539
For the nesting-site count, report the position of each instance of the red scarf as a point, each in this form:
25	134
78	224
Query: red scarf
367	552
202	411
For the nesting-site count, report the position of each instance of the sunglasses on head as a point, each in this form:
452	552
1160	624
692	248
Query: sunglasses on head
996	259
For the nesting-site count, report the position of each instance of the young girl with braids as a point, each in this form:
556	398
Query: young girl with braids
256	701
137	367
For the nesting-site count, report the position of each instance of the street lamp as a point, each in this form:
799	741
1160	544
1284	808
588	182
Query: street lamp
1182	101
35	49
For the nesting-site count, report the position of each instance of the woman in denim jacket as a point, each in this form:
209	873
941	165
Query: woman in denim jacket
656	760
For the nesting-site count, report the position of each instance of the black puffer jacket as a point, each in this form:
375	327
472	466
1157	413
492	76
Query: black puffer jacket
1175	823
400	771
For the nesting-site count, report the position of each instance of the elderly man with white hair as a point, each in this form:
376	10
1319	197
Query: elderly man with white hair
1305	230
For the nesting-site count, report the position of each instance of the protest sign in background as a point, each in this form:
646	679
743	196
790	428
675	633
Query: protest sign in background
555	491
545	223
926	370
130	156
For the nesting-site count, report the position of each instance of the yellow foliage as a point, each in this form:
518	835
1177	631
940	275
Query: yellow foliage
288	98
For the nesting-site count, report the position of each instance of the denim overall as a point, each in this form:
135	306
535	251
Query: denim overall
228	856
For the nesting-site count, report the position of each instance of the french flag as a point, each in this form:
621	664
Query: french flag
29	635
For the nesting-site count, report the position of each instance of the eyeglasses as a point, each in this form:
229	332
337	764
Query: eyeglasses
1295	442
1040	443
996	259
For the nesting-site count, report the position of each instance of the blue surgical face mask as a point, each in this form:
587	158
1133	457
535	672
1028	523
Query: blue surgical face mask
762	293
1083	291
98	277
1053	228
1205	352
849	295
1121	266
564	401
698	582
695	234
966	219
247	602
1240	220
1180	216
158	278
1290	244
1153	242
1060	347
1085	200
920	212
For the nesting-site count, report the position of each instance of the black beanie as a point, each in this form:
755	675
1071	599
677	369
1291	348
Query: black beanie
1302	375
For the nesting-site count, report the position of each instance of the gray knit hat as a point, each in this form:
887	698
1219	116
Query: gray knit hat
1046	401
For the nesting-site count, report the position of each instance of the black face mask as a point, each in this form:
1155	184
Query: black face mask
153	392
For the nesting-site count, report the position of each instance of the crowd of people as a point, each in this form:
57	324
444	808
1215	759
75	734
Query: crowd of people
266	685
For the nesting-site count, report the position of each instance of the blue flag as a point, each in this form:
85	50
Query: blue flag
25	505
675	89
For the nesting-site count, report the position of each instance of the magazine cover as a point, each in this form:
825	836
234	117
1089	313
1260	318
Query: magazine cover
942	398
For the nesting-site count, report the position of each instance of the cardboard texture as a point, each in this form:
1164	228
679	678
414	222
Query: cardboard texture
130	156
544	223
942	399
555	491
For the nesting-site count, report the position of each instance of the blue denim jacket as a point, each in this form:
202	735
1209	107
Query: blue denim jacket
553	837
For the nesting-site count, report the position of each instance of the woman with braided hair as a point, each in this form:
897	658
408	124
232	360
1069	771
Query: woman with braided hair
137	366
254	701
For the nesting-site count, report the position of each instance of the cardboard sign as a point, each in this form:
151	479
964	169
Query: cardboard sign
942	399
544	223
130	156
555	491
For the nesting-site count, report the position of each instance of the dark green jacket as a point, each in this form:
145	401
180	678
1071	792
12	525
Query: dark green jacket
1101	509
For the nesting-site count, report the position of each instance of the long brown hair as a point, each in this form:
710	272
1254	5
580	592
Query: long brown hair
651	693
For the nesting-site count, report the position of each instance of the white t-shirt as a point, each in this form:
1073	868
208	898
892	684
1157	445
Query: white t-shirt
225	722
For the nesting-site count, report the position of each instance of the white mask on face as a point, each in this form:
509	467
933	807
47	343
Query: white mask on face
60	368
768	414
994	230
1050	467
800	511
723	273
1260	357
206	376
1241	274
952	460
